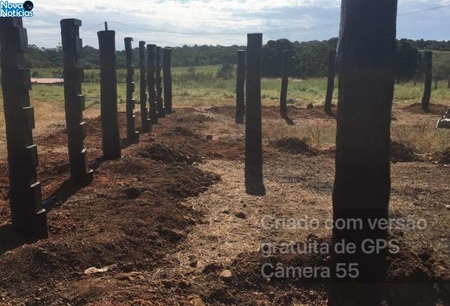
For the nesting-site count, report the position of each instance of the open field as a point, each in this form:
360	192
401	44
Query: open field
172	214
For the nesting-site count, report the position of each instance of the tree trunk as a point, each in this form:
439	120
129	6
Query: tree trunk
159	91
362	181
151	82
108	95
330	83
284	82
448	83
240	87
132	134
253	130
28	215
74	101
436	83
427	86
145	120
167	75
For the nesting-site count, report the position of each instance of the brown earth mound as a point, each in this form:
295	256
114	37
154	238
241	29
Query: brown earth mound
402	152
181	131
169	154
411	280
294	145
416	108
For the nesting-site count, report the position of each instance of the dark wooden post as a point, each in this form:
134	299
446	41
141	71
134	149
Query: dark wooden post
108	95
330	83
167	75
159	98
362	182
74	101
151	80
253	130
240	87
27	213
448	82
145	120
284	82
427	85
132	134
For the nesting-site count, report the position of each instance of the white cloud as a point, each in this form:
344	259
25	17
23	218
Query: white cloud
145	19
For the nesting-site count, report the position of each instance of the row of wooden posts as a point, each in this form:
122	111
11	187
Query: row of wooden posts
285	66
28	214
27	211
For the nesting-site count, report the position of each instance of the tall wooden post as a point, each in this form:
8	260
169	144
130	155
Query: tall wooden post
330	83
74	101
132	134
145	120
427	85
240	87
108	95
362	182
27	214
284	82
167	75
253	130
151	80
159	98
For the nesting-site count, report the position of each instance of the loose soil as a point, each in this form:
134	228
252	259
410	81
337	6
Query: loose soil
169	217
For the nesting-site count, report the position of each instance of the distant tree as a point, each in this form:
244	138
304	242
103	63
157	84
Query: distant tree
406	61
311	58
225	71
271	57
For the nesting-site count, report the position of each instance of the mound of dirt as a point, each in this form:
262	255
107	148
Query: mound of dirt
411	279
401	152
416	108
169	154
294	145
445	156
180	131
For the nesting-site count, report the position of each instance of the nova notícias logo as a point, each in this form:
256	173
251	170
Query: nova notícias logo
10	9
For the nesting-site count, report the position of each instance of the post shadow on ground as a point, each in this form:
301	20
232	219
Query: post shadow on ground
288	120
70	187
11	239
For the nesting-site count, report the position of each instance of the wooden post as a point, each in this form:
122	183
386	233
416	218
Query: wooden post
253	130
27	213
167	75
240	87
427	85
151	80
108	95
159	98
284	82
145	120
132	134
74	101
362	182
448	82
330	83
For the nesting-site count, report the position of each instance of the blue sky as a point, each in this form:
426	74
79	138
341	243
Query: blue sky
220	22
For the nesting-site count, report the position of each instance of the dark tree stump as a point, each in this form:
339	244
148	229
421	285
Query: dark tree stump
427	85
366	56
108	95
253	132
25	198
240	87
74	101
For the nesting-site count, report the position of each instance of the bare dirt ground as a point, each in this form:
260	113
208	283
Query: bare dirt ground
171	224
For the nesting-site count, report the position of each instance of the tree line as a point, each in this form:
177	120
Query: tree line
308	59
